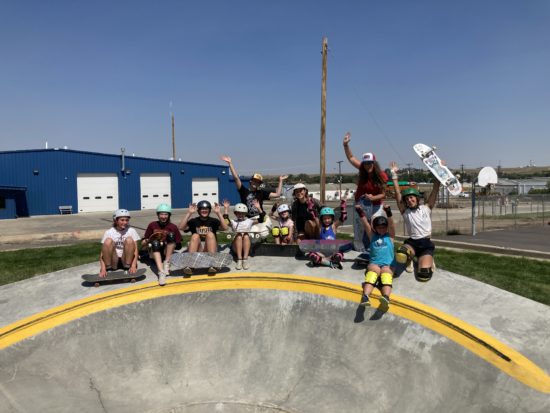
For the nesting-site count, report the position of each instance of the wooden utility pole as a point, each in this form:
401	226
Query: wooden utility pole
323	119
173	139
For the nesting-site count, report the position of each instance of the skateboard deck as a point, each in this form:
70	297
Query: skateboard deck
276	250
255	236
196	260
440	171
118	275
326	247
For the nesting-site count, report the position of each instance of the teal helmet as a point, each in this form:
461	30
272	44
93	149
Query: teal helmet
410	191
164	208
326	211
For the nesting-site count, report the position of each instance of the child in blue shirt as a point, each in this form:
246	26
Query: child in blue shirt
379	271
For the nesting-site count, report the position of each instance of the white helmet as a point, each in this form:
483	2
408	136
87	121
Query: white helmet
121	213
241	208
298	186
283	208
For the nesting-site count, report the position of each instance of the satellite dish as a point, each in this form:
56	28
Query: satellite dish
487	176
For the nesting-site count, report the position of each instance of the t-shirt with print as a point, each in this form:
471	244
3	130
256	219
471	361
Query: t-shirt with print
242	226
202	226
381	249
119	237
154	227
247	197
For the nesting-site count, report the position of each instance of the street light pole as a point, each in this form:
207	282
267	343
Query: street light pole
340	177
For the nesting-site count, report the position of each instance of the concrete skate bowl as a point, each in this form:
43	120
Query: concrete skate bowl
257	343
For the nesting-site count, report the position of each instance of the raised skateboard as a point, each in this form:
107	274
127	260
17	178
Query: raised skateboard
325	247
199	260
440	171
118	275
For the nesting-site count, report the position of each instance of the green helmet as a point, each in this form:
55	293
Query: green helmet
410	191
164	208
326	211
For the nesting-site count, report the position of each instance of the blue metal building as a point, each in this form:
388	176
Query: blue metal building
53	181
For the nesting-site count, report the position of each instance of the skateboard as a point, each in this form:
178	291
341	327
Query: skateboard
196	260
118	275
325	247
440	171
255	236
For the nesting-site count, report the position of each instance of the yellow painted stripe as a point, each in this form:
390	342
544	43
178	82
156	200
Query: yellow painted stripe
485	346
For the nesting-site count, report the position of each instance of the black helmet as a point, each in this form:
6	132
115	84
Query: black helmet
379	220
204	205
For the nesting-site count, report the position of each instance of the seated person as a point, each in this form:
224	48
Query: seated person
161	238
203	229
283	233
119	250
242	227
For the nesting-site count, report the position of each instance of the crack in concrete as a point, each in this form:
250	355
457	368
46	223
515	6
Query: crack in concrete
98	392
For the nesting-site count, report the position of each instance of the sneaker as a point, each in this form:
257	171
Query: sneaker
384	301
187	271
433	266
365	302
162	278
212	271
166	267
239	265
245	264
410	267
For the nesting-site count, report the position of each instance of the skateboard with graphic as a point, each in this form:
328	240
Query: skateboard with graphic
436	167
212	261
118	275
325	247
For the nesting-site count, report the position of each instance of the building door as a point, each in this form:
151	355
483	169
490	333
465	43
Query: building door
155	190
205	189
97	192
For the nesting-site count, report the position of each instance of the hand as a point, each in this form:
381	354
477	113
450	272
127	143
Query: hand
256	204
102	273
347	138
394	168
370	197
226	158
283	177
217	209
226	203
192	208
132	269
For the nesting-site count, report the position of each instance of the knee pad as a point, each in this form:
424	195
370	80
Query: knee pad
284	231
156	245
386	278
315	258
424	274
275	231
171	238
371	277
337	257
403	254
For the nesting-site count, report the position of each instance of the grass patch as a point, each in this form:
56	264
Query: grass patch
522	276
22	264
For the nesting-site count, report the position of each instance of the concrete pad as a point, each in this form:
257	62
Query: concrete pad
263	350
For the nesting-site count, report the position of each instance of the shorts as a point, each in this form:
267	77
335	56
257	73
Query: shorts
422	246
119	266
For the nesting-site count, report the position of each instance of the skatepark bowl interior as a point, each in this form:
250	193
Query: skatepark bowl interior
258	342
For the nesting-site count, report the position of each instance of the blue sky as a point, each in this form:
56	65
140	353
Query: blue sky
244	79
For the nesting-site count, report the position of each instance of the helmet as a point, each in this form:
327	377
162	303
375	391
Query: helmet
326	211
283	208
164	208
204	205
299	186
119	213
379	220
410	191
241	208
257	177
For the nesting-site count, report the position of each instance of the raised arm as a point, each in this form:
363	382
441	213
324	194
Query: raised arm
258	206
364	220
218	212
395	179
233	171
343	213
183	223
432	198
279	187
352	159
391	224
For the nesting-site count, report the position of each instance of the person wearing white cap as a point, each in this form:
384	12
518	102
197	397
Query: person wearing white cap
370	193
254	192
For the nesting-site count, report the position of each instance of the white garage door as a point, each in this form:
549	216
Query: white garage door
155	190
97	192
205	189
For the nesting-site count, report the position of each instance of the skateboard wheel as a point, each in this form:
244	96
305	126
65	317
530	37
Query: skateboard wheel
96	285
133	280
